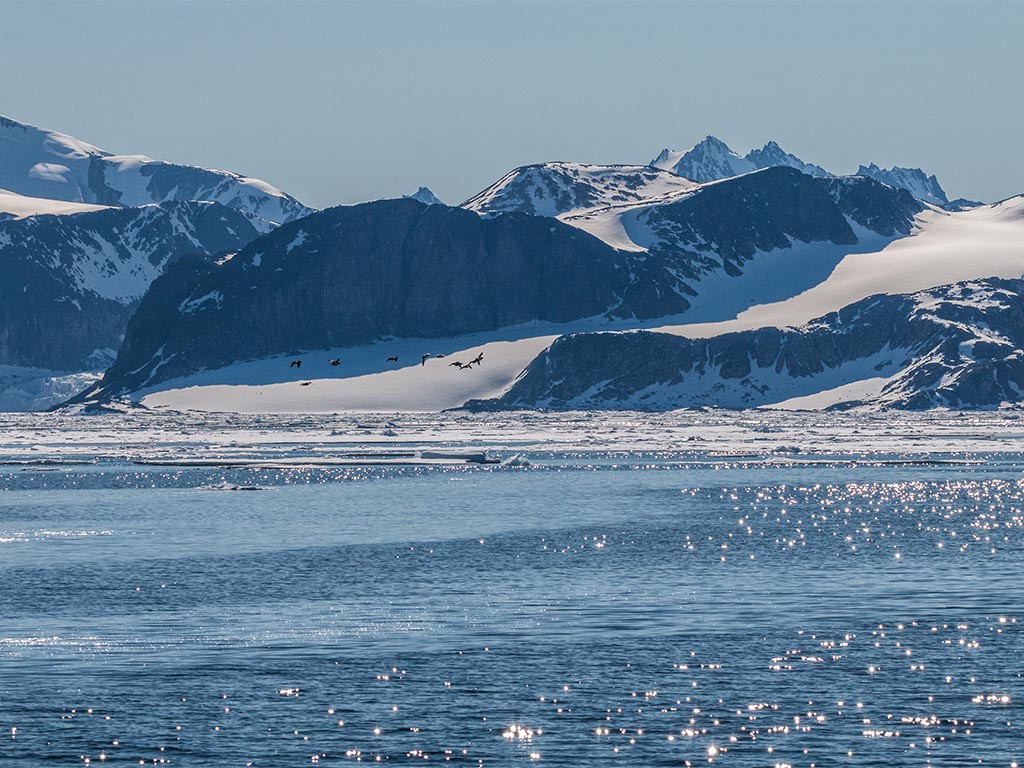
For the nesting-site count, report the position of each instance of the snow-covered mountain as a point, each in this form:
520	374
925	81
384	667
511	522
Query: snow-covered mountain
45	164
635	208
718	228
712	160
914	180
931	255
71	282
559	189
957	346
709	160
425	196
398	269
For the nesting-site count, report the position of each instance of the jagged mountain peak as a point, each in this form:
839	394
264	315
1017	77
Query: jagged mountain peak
425	196
711	159
712	142
914	180
771	155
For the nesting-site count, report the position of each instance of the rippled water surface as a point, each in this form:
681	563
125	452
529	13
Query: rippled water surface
597	607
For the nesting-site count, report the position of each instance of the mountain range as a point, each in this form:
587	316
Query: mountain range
703	278
712	159
399	268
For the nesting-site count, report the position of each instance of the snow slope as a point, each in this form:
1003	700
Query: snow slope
364	381
944	248
15	206
41	163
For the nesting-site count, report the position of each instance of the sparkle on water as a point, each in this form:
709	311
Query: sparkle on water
685	589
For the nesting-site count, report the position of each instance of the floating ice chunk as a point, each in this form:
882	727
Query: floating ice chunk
517	460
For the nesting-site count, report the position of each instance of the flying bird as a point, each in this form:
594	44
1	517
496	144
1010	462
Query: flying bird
424	358
478	360
392	360
456	363
295	364
305	383
336	361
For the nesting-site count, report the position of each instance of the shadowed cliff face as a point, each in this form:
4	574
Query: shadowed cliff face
71	282
955	346
392	268
727	223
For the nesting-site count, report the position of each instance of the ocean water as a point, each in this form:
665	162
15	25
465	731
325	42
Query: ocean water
658	607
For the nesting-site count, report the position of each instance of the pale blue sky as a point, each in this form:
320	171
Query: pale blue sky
343	101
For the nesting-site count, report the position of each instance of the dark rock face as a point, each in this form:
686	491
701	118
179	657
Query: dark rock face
725	224
883	209
765	210
354	274
962	204
956	346
916	181
71	282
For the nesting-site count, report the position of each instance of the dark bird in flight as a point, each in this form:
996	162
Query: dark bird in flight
424	358
392	359
336	361
460	365
439	355
478	360
305	383
295	364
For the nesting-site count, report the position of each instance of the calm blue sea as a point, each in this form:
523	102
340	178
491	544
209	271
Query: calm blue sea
591	609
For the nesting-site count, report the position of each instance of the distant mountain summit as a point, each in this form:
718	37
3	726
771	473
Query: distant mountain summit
556	189
45	164
914	180
425	196
772	155
712	160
